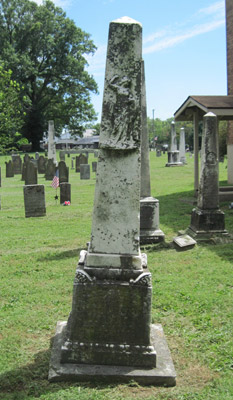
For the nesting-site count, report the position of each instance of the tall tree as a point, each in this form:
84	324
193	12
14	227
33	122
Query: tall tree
46	52
11	111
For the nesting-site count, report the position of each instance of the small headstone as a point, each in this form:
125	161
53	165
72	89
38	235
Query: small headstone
72	162
34	201
63	172
50	170
41	164
84	171
26	158
65	192
37	155
81	159
17	164
9	169
30	173
94	166
158	153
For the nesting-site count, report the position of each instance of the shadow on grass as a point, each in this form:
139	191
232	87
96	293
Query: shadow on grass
59	255
31	380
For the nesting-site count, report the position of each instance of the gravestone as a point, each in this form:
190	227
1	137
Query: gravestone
182	146
85	171
94	166
30	173
51	142
23	170
63	172
65	192
17	164
9	169
50	170
41	164
207	220
26	158
158	153
34	201
96	153
62	155
72	162
109	334
81	159
149	206
37	155
173	153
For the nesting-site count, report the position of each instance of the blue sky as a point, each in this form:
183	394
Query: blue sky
184	46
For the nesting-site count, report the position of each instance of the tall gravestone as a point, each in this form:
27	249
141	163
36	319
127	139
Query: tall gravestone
85	171
63	172
81	159
30	173
51	142
182	146
173	153
17	164
50	170
65	192
109	333
149	206
34	201
94	166
41	163
9	169
207	220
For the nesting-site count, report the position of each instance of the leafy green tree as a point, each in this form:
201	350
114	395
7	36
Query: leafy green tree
46	52
11	111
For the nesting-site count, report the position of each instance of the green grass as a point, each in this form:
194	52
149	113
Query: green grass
192	291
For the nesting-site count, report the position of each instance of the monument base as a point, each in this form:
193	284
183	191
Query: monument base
173	159
206	225
162	375
149	221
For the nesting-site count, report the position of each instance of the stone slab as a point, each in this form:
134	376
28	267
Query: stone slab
184	241
163	375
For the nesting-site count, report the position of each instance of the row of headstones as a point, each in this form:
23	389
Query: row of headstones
34	199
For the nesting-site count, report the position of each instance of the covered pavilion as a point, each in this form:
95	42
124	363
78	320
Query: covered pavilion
193	109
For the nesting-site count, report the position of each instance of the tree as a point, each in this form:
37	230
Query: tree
11	111
46	53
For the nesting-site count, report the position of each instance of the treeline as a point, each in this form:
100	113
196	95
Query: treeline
42	73
162	131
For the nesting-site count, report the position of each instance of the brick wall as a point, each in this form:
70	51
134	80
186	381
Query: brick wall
229	31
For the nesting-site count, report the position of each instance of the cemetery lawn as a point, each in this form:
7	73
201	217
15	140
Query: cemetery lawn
192	291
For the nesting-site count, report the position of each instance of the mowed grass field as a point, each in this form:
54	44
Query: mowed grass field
192	291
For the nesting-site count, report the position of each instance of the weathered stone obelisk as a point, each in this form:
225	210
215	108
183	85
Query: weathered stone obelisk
149	206
51	143
182	146
207	220
173	153
109	333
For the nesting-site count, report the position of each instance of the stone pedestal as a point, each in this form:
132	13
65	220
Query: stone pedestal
149	221
149	206
207	220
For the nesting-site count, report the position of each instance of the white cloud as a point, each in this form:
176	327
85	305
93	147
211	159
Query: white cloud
218	7
172	41
97	61
214	17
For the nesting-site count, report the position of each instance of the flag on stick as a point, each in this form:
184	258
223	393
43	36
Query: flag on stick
55	182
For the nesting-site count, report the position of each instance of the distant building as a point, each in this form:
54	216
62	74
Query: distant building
91	142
